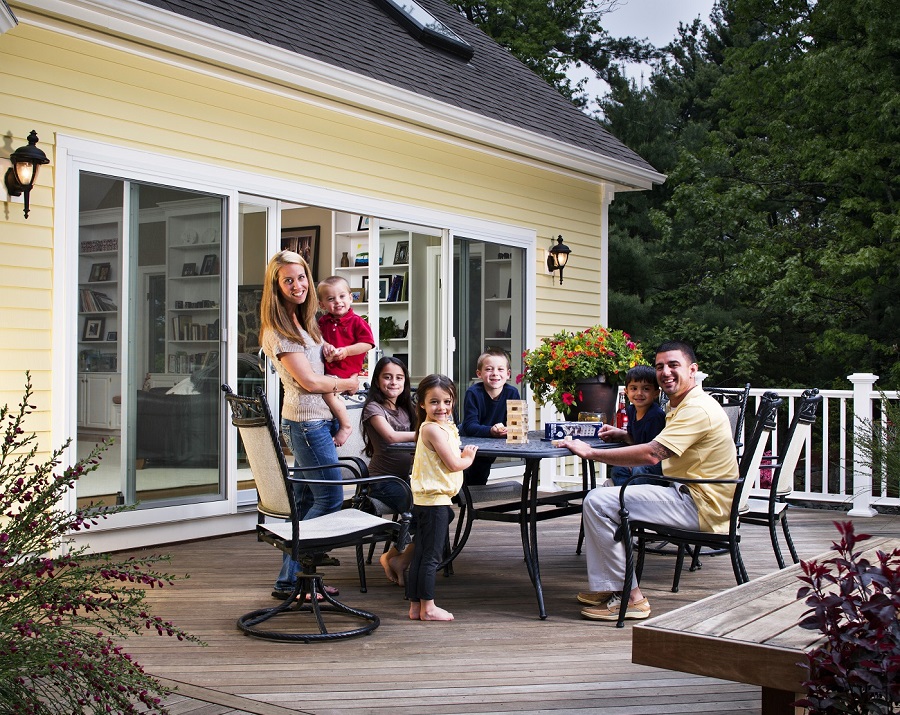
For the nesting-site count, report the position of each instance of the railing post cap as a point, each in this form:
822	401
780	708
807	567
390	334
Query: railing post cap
861	377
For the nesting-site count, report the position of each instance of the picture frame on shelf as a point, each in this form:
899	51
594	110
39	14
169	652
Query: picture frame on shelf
93	329
189	269
209	266
401	253
364	222
384	286
112	336
356	294
305	241
99	273
365	288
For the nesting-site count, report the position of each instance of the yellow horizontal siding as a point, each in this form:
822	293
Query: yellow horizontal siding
59	84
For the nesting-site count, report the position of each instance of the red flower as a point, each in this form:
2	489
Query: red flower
568	398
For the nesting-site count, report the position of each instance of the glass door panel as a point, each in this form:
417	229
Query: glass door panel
488	311
173	425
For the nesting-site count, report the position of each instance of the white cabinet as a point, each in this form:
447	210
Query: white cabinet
393	252
193	283
96	409
99	290
502	291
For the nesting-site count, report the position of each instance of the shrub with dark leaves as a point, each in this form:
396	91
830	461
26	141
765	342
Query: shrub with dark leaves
63	612
857	667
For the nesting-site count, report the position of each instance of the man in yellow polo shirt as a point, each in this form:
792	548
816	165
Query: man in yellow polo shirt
696	443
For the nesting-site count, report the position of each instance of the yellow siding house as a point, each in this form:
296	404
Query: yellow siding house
188	140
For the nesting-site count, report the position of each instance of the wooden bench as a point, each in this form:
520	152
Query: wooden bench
747	634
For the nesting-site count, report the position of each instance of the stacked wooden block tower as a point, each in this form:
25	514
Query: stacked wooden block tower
516	422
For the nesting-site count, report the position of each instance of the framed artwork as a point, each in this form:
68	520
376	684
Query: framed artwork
189	269
363	223
356	295
93	329
209	266
365	288
305	241
99	273
384	285
401	253
112	336
249	301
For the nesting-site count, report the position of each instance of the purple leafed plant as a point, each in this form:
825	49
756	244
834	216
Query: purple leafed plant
64	612
857	668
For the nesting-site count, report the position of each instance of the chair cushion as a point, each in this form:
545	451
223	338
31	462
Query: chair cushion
341	526
760	507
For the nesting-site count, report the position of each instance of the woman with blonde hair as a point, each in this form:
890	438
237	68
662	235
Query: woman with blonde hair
313	417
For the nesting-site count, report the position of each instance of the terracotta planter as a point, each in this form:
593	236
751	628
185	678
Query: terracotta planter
597	395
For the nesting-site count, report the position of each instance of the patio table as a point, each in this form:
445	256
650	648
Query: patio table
528	511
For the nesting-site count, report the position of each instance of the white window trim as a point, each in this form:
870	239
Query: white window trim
76	154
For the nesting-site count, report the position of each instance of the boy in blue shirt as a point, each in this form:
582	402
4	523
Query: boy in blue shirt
484	408
646	419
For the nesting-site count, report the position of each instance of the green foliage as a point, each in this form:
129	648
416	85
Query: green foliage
550	36
63	611
779	212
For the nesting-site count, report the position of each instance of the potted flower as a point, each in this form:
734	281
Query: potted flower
561	368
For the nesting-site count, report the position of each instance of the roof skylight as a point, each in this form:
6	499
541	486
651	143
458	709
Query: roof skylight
425	27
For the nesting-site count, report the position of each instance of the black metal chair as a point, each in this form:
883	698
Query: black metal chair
631	531
303	541
734	402
773	510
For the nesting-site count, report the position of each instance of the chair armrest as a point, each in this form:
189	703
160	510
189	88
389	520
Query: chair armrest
679	480
360	463
360	481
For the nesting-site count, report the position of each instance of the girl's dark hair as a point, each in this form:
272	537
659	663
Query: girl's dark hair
404	399
429	383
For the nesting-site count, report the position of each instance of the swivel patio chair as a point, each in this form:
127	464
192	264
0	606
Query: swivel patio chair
303	541
631	531
773	509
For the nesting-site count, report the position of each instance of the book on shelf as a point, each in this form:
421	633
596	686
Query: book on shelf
396	286
91	301
404	290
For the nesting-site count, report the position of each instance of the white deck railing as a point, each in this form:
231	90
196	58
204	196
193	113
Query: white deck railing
829	472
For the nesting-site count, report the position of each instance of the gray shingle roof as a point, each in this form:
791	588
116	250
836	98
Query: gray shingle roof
358	36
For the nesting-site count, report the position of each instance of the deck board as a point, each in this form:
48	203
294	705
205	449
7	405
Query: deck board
497	657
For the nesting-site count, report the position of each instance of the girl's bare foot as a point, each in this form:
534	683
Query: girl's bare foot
436	614
414	610
400	563
386	565
430	612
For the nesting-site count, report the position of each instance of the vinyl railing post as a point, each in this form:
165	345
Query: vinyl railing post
863	385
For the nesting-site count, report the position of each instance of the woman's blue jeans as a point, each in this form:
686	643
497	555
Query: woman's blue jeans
312	444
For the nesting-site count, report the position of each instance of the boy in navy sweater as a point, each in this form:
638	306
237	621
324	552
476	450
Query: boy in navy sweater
484	408
646	419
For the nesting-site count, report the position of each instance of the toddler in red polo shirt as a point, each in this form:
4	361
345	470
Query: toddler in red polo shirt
347	336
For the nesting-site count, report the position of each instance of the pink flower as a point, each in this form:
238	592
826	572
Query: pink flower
568	399
519	378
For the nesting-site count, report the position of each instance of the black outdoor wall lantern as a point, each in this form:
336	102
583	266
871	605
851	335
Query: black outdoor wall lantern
25	161
557	257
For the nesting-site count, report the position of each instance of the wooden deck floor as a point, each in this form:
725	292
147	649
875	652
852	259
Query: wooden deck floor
497	657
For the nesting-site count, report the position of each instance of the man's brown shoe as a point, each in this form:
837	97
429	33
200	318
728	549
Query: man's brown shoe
594	598
610	612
